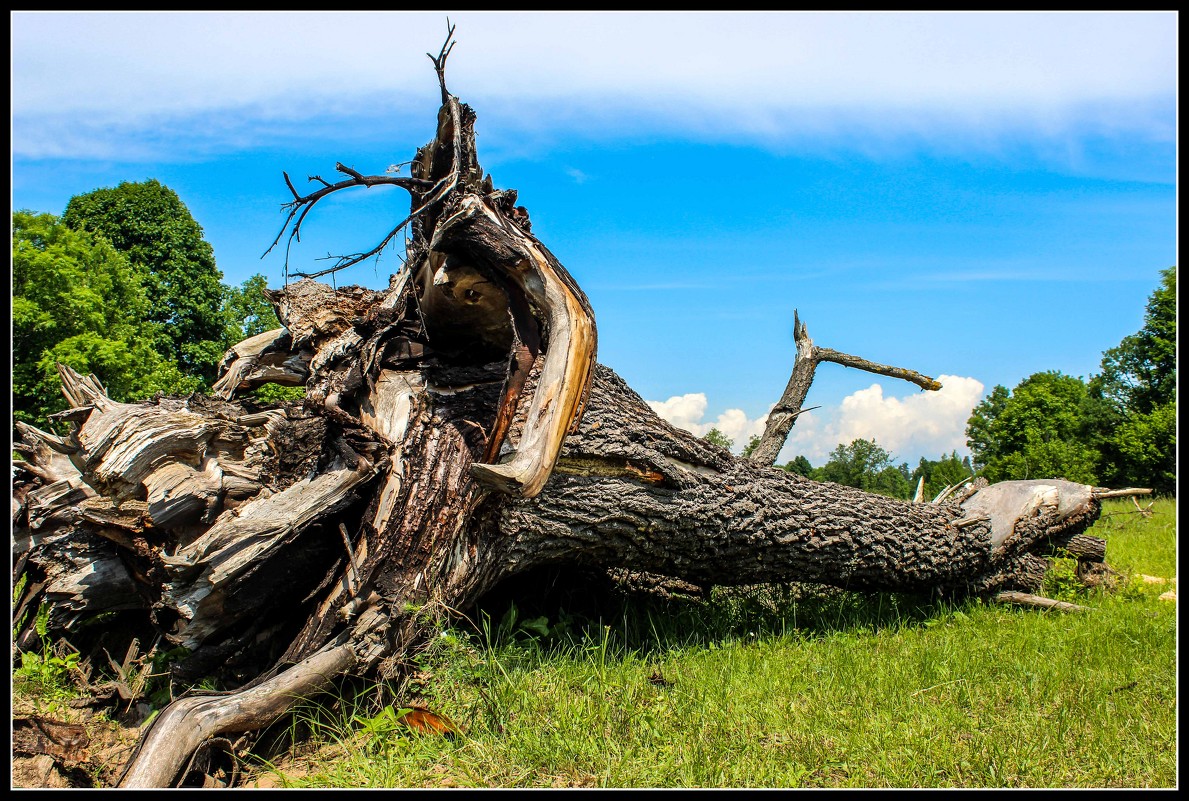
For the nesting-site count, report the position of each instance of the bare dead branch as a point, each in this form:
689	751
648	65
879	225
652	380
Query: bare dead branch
184	725
1101	492
1027	599
784	413
438	191
439	63
305	202
859	363
288	183
358	176
945	493
301	205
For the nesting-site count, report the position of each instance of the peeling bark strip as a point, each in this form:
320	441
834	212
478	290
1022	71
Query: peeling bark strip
456	431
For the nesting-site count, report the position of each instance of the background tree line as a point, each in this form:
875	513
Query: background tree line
867	466
1117	429
122	285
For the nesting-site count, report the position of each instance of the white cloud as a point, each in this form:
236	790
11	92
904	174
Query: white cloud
684	411
924	423
578	175
738	427
921	424
762	74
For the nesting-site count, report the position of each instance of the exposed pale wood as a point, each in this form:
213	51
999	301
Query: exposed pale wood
178	494
948	491
45	455
1102	492
1007	503
476	230
1027	599
178	731
262	359
238	541
83	390
84	576
56	503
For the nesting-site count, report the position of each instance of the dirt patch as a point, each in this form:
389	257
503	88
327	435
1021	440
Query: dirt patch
68	747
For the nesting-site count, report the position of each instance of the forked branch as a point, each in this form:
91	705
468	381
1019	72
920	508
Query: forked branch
301	204
439	63
784	414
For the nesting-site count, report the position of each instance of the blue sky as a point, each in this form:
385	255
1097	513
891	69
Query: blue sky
977	196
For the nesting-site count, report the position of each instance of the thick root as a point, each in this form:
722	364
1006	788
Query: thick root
185	724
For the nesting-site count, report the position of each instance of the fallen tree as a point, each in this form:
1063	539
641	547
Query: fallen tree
457	431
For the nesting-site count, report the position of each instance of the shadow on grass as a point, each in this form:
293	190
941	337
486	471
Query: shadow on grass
560	609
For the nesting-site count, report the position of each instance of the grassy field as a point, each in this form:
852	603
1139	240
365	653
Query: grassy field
787	687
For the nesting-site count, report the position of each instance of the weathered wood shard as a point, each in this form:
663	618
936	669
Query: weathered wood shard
478	234
203	717
265	358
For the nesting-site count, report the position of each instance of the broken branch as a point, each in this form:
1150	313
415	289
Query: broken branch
784	413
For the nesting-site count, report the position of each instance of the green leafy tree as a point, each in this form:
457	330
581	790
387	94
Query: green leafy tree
149	224
865	465
892	481
1038	430
801	466
1134	398
78	301
1140	374
247	311
716	437
980	437
751	446
945	472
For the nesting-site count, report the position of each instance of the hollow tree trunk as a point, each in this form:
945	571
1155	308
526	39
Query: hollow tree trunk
456	432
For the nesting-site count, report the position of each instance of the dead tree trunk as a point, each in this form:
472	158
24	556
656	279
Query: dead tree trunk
456	432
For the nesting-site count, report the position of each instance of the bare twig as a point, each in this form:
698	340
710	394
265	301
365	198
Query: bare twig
354	572
439	63
1142	511
301	205
945	493
936	686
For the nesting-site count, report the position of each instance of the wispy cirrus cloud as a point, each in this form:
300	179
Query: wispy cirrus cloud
954	78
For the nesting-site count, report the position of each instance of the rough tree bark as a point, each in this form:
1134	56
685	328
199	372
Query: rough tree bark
456	431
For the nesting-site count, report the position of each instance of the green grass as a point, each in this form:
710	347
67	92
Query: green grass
775	687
